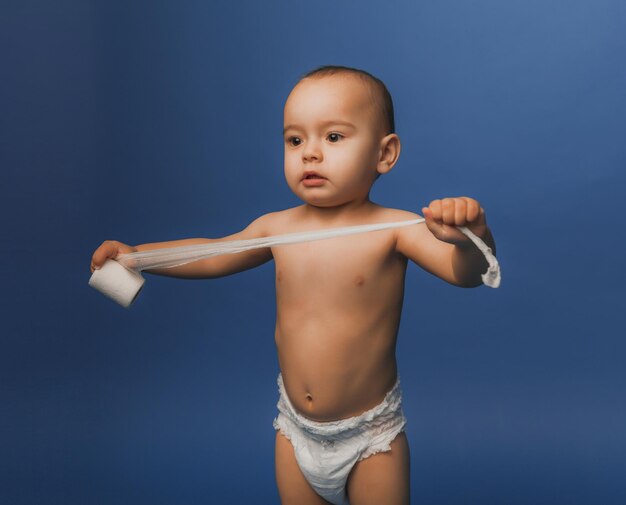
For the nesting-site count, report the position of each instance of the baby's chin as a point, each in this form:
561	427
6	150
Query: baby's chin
326	199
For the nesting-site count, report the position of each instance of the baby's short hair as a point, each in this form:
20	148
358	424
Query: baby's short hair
376	86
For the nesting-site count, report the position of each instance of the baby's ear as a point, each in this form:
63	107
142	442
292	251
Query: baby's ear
389	153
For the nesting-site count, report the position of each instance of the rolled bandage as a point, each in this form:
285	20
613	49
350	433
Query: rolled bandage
123	287
119	283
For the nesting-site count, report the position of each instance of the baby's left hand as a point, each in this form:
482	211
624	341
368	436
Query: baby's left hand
442	216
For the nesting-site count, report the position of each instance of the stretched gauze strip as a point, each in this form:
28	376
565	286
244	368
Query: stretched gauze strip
176	256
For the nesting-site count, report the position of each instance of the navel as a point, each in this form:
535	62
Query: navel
309	398
359	280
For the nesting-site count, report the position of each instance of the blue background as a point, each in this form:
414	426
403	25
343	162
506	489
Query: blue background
147	121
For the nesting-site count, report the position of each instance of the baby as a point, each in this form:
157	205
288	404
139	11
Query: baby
340	427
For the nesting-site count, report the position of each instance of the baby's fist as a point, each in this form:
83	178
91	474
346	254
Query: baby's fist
443	216
108	249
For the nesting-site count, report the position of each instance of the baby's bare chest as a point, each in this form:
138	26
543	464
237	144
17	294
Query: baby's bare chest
359	262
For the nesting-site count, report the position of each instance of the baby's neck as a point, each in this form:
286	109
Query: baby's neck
345	213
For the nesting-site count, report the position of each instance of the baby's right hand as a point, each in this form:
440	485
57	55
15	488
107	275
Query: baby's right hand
109	249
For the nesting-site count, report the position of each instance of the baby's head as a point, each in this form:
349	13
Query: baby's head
339	135
381	101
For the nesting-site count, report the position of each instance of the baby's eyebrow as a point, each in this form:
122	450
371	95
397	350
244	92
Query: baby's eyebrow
325	124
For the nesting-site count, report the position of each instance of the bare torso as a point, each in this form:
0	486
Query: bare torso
338	309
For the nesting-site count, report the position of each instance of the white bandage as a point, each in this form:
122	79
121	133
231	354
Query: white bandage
127	289
117	282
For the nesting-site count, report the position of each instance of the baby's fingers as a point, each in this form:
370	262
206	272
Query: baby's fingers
108	249
473	209
436	210
460	212
453	211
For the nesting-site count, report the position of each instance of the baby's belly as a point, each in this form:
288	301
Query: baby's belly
338	311
332	374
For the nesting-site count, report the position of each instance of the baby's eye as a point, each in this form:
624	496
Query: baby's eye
294	141
334	137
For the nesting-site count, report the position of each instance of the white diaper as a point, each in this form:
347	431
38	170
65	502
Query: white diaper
327	451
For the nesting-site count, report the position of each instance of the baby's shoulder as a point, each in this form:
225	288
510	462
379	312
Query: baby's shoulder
402	233
280	221
390	214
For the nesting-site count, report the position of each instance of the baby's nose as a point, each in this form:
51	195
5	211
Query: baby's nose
312	152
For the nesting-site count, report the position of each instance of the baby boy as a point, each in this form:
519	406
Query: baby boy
340	428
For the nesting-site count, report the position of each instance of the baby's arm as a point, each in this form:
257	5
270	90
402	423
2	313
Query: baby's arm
443	250
217	266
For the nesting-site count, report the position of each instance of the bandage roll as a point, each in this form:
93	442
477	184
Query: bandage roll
117	282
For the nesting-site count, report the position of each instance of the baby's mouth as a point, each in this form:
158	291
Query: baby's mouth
311	175
311	179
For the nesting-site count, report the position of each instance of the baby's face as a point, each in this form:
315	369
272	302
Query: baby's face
332	140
